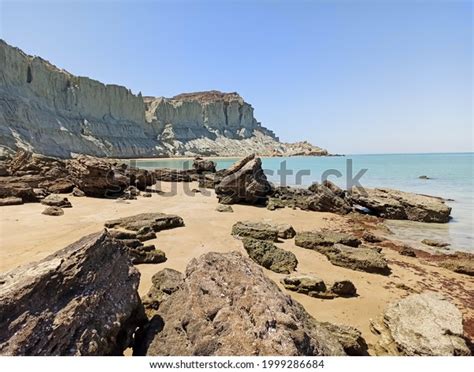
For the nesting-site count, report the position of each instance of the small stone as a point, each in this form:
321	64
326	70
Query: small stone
371	238
435	243
53	211
55	200
146	194
224	208
407	251
285	231
344	288
78	192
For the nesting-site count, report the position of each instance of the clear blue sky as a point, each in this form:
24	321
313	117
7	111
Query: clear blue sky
351	76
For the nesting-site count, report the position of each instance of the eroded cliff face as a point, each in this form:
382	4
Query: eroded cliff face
47	110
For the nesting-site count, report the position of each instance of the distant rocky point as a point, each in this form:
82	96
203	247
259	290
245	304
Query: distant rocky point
46	110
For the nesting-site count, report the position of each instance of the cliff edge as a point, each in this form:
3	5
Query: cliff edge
49	111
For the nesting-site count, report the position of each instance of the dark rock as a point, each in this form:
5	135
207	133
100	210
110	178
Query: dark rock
285	231
82	300
324	199
172	175
53	211
266	254
146	233
344	288
201	166
424	177
227	306
96	177
132	243
244	182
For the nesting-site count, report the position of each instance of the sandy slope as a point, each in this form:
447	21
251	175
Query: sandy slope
27	235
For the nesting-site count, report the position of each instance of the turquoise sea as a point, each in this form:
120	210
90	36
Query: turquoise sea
451	177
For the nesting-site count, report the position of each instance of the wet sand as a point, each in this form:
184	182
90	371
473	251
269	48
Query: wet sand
27	235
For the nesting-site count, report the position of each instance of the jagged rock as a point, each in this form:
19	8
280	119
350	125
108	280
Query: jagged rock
269	256
399	205
156	221
313	286
60	186
163	284
421	324
95	177
285	231
407	251
208	180
244	182
55	200
360	259
334	188
435	243
11	200
149	255
324	199
224	208
324	238
255	230
17	188
200	165
82	300
53	211
78	192
462	263
350	338
227	306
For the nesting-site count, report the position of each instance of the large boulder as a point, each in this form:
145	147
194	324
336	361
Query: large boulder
421	324
154	221
227	306
400	205
95	177
82	300
266	254
244	182
327	198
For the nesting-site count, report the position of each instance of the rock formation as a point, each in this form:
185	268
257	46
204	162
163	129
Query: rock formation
421	324
227	306
399	205
49	111
244	182
82	300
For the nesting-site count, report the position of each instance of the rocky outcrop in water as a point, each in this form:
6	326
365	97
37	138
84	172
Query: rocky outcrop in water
227	306
49	111
399	205
82	300
421	324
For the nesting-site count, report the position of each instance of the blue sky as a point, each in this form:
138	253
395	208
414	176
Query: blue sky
350	76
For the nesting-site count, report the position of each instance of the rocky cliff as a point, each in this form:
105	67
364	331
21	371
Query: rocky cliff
48	110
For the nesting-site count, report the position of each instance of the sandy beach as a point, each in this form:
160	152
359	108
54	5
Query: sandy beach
27	236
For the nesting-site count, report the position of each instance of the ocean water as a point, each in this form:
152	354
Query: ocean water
451	177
